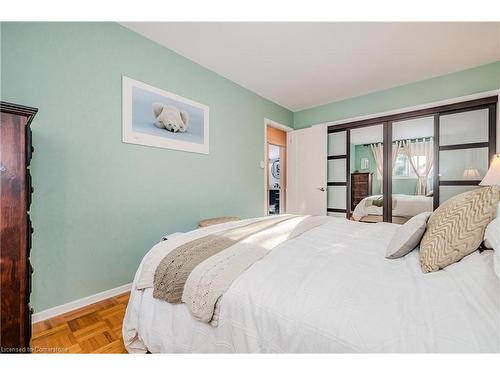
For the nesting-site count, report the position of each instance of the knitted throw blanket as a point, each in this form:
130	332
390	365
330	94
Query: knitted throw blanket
173	271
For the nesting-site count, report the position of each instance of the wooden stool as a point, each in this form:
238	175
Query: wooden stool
217	220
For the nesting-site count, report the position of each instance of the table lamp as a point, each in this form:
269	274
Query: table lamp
493	175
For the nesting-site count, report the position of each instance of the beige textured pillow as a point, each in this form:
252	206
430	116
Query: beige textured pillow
456	228
408	236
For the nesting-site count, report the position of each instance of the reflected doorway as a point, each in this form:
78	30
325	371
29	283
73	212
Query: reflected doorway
276	170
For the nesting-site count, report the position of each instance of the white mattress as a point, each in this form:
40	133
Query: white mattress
332	290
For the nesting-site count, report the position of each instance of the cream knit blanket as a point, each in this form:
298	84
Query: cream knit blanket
145	278
208	281
174	269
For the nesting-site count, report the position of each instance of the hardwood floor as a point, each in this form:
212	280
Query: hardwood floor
96	328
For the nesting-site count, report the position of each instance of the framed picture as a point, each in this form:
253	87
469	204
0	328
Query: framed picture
158	118
365	163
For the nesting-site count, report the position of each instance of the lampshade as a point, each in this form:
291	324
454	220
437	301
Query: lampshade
493	175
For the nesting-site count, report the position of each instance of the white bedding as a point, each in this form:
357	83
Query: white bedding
406	206
332	290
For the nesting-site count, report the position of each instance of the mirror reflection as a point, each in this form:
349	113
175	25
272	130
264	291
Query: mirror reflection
412	168
366	172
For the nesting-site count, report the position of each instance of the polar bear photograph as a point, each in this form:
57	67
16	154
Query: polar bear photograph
170	118
165	116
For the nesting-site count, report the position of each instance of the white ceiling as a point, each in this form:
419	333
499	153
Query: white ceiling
302	65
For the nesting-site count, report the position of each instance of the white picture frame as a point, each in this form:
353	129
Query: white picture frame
365	163
138	119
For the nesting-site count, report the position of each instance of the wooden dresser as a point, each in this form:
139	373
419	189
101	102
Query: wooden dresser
361	187
16	229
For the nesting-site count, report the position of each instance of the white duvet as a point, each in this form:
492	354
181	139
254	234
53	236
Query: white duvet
332	290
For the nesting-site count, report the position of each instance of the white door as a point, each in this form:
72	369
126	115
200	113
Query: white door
306	188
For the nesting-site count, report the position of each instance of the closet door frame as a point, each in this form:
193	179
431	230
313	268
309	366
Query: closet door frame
387	175
347	183
386	164
489	102
490	144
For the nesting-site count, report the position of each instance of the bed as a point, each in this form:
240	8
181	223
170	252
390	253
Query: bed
404	207
329	289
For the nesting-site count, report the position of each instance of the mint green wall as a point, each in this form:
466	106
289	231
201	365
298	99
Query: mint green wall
100	204
470	81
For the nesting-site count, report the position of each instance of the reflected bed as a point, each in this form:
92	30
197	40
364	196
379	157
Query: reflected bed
403	207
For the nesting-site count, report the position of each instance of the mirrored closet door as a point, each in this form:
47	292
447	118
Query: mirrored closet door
419	159
466	147
412	161
355	173
366	171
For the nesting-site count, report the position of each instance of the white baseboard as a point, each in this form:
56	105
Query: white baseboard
76	304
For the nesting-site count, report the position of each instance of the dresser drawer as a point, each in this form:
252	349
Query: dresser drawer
361	187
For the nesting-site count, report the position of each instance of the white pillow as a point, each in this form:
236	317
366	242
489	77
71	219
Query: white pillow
487	242
492	241
408	236
492	235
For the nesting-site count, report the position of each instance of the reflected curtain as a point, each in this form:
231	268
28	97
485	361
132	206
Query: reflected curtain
420	148
396	147
378	155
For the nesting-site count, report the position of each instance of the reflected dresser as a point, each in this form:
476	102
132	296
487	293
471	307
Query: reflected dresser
361	187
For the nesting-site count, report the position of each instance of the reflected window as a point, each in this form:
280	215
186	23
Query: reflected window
403	168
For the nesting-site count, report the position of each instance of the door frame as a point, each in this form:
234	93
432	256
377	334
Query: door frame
287	129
